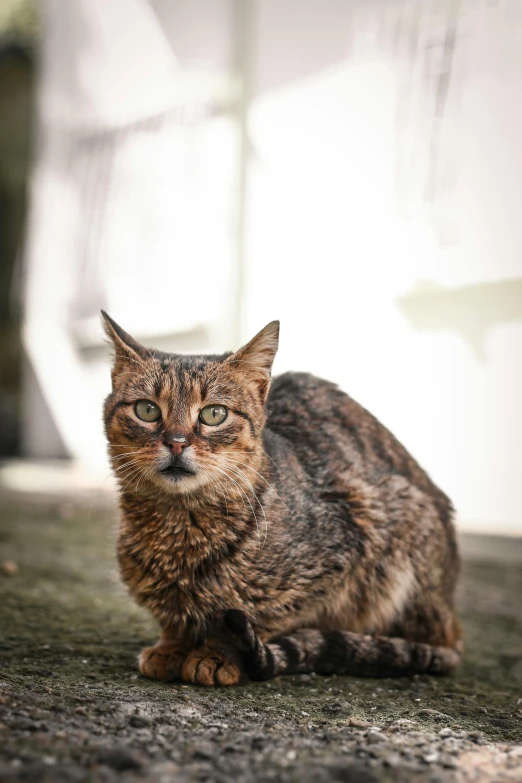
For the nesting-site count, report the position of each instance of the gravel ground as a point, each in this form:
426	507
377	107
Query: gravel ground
74	709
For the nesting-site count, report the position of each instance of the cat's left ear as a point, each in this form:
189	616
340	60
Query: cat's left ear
126	348
256	357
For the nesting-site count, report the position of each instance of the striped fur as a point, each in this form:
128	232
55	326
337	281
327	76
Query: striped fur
335	652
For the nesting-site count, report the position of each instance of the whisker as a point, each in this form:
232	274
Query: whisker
215	480
234	482
249	467
131	476
245	495
212	481
240	474
128	464
144	474
128	479
128	470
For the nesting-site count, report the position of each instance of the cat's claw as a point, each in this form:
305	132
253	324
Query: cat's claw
208	665
162	662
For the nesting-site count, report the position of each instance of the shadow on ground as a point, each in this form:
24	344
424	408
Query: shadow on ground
73	708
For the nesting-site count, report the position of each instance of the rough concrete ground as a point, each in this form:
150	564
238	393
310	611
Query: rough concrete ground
73	707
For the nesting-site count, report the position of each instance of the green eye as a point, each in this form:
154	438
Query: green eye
213	414
147	410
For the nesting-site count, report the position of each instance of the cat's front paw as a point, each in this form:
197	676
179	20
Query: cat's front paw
162	662
213	665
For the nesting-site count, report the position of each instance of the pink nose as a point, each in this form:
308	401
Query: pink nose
176	443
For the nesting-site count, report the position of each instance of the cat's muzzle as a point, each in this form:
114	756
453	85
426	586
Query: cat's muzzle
178	468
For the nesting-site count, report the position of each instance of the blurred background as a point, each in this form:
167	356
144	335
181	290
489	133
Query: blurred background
200	167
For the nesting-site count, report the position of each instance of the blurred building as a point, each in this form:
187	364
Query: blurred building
17	77
352	168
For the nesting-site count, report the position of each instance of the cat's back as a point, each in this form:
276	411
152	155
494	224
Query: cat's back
328	430
310	410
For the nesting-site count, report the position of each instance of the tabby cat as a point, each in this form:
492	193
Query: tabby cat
273	527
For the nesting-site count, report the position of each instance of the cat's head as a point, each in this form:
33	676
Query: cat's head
185	422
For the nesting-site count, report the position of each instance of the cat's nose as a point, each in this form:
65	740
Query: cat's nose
176	443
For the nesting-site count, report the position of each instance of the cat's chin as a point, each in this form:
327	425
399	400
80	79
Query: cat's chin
178	482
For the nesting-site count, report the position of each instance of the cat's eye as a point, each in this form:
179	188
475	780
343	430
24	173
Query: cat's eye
147	410
213	414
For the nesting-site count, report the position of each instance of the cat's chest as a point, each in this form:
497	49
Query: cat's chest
168	547
180	567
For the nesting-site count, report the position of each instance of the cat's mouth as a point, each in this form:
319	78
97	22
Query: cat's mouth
177	472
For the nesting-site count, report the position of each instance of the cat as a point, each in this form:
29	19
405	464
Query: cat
273	526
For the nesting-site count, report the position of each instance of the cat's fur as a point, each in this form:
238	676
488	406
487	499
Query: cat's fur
307	540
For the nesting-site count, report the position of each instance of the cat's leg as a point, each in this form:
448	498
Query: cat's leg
214	663
164	661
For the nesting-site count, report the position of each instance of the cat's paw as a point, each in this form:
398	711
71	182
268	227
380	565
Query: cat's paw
162	662
212	665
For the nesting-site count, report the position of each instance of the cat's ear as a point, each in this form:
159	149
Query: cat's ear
256	357
126	348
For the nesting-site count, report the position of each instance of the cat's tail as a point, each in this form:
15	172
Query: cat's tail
335	652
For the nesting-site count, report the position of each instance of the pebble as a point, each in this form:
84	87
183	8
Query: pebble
121	758
433	714
445	733
9	567
204	751
139	721
374	736
164	772
24	724
392	760
358	723
337	708
448	762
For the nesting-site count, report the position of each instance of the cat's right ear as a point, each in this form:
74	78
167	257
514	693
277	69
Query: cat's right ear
126	348
255	358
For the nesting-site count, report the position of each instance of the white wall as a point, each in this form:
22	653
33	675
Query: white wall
413	307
